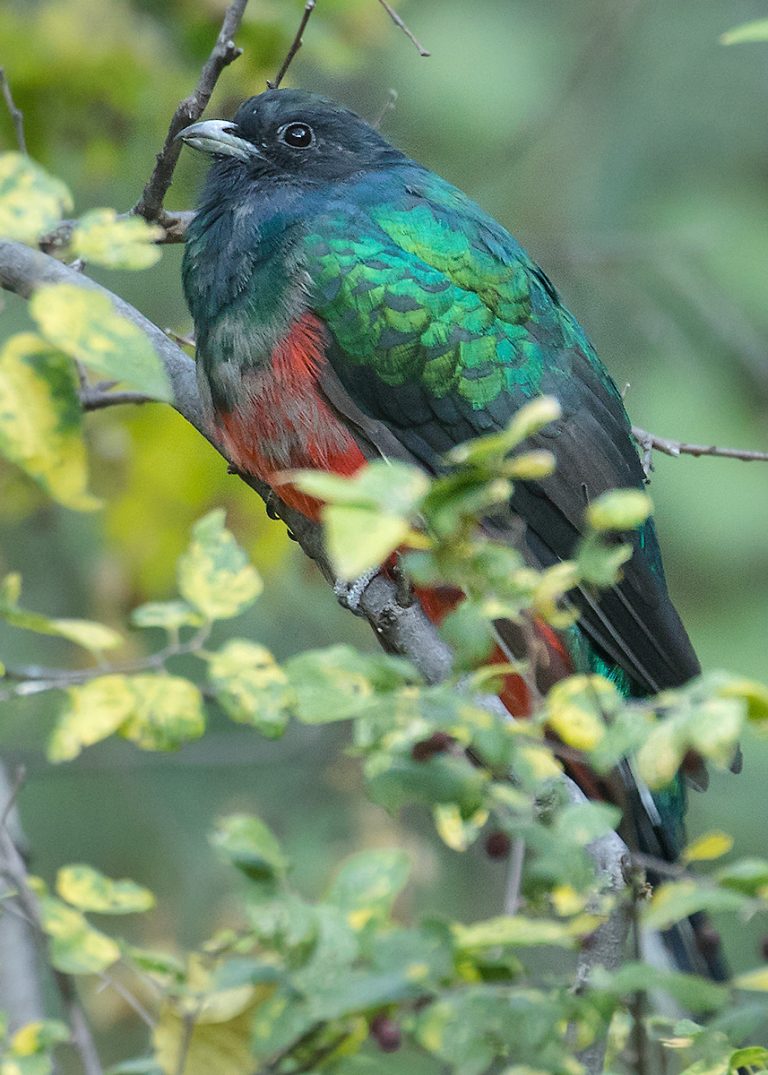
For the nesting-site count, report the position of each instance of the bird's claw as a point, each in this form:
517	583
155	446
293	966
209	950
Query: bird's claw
350	593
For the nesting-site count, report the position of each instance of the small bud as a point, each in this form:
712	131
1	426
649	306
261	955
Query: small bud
386	1033
497	845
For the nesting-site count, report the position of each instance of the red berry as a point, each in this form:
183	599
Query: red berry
497	845
386	1033
427	748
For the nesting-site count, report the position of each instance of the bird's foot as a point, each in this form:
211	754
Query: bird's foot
350	593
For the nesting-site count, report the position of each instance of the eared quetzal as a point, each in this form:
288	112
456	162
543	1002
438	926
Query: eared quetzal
349	305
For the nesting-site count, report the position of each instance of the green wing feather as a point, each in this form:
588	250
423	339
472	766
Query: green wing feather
441	327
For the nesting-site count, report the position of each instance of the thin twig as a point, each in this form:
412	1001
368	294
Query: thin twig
18	783
386	108
650	442
150	204
108	982
298	41
402	26
93	400
17	116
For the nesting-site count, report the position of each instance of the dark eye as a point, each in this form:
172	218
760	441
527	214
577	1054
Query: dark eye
297	135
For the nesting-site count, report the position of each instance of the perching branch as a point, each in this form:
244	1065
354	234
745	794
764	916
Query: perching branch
17	116
150	204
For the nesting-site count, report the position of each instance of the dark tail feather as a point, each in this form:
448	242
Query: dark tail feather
693	945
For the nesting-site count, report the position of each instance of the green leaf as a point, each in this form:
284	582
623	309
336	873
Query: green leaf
515	931
214	574
88	890
749	876
600	564
157	712
250	686
330	684
250	846
368	883
75	946
755	30
619	509
41	419
679	899
86	325
579	824
359	539
31	201
529	419
169	615
398	781
754	1056
691	992
94	637
103	238
368	515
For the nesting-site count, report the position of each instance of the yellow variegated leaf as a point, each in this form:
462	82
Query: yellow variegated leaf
31	201
457	832
102	237
214	574
514	931
86	325
95	637
40	419
712	845
577	707
220	1037
75	946
157	712
167	711
92	712
38	1037
88	890
250	686
753	980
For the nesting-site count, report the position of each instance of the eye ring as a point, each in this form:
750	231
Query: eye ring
297	135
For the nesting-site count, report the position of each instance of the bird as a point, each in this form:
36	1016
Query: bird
350	304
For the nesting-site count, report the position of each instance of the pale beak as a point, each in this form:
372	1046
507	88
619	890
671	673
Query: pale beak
219	137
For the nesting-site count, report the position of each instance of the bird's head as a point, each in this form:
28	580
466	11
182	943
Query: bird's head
293	136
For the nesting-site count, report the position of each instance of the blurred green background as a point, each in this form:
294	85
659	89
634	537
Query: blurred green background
627	149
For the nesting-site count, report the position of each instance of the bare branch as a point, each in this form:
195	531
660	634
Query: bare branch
402	26
17	115
150	204
12	866
649	443
295	45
